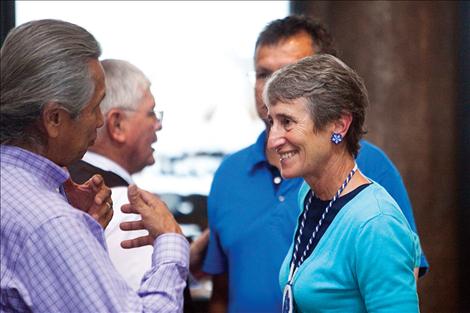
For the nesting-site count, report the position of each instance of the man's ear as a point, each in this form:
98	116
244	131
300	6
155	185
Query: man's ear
341	126
53	117
116	125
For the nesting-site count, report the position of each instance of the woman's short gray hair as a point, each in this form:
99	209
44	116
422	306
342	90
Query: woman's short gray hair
125	85
330	89
44	61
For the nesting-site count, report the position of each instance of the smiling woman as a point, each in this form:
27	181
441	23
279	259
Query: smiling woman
316	110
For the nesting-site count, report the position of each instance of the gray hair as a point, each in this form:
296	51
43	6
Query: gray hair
330	89
125	85
44	61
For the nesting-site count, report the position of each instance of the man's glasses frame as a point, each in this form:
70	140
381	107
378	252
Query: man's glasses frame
157	114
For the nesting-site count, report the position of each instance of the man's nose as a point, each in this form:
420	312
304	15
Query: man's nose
158	125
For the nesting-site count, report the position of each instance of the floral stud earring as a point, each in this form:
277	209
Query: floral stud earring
336	138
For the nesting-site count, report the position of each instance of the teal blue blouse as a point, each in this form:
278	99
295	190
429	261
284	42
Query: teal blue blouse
363	263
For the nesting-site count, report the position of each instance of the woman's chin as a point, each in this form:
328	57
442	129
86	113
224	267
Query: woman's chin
286	173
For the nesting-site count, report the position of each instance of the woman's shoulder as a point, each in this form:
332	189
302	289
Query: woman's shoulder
372	202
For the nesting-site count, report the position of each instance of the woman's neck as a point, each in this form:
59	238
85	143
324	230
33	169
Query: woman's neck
330	177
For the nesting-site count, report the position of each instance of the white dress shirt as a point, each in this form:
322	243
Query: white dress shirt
106	164
132	264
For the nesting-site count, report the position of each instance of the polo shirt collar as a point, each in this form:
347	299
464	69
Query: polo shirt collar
257	156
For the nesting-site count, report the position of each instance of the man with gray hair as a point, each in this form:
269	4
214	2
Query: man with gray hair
53	254
124	144
123	147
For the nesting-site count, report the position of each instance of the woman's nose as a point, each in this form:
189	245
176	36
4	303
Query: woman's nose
275	138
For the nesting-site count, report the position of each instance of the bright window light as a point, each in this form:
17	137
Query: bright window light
197	55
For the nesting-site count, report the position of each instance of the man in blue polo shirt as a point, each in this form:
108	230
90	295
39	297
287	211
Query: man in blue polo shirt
252	209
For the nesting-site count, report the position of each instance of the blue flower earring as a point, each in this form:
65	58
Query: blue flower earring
336	138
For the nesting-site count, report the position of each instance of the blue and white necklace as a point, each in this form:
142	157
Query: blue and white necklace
288	296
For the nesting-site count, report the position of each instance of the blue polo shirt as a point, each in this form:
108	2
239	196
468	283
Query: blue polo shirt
252	216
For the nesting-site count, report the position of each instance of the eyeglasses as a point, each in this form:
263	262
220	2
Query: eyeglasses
156	114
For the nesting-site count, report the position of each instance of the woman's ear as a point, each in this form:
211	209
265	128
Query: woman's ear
116	125
341	126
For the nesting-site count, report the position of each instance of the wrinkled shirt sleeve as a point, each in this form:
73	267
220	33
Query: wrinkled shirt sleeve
66	269
385	277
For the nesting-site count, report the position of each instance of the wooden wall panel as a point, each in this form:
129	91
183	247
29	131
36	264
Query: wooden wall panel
407	54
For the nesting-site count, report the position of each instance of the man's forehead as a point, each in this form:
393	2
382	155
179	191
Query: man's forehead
148	99
285	52
300	44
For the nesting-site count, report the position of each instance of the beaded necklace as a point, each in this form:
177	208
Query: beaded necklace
288	297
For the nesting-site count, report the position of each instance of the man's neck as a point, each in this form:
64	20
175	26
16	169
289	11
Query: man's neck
111	153
47	151
106	163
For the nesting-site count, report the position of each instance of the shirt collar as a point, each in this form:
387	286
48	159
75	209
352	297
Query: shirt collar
258	154
106	164
47	171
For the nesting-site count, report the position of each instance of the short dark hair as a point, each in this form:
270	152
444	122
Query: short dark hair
289	26
329	87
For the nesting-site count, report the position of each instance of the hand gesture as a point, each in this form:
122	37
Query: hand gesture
156	218
93	197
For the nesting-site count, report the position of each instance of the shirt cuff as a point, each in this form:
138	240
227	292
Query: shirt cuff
170	248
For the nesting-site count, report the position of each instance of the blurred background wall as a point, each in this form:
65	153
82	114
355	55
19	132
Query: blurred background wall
414	57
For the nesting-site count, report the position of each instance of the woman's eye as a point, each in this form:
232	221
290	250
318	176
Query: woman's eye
286	122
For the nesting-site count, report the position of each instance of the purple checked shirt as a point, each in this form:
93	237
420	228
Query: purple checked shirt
54	258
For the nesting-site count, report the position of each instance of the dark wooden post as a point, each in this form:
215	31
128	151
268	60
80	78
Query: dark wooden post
407	52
